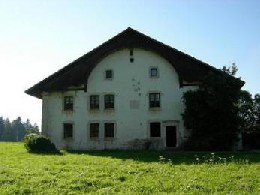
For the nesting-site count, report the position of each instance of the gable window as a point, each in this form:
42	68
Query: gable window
155	130
109	130
94	130
131	55
109	74
109	101
154	100
68	103
131	52
94	102
154	73
67	130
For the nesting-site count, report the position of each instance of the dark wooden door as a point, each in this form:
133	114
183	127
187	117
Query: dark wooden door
171	138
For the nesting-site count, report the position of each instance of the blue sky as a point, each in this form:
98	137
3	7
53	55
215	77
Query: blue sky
39	37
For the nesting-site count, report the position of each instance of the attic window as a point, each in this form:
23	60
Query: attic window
131	52
154	73
109	74
131	55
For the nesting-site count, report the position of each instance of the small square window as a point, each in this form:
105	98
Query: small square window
68	103
154	100
108	74
94	102
109	130
67	130
94	130
154	73
109	101
155	130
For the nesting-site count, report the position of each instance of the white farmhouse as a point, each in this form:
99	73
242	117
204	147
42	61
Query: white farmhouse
126	93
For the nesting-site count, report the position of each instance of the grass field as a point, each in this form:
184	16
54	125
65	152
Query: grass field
129	172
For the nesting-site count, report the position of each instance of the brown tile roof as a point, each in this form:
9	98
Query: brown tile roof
76	73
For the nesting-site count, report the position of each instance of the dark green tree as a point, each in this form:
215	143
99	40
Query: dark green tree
31	128
18	129
8	134
250	120
212	112
246	112
2	127
249	111
257	111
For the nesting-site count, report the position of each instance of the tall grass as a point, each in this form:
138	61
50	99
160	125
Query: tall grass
129	172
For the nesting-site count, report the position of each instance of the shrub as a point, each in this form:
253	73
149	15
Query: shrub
251	140
38	143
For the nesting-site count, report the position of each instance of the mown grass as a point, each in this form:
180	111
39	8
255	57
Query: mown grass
129	172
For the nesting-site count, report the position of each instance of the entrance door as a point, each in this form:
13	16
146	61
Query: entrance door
171	138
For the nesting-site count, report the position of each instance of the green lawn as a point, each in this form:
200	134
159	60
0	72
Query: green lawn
129	172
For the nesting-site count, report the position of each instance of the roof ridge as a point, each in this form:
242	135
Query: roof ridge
82	66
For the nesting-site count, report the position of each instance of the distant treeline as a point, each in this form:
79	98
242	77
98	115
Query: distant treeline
16	130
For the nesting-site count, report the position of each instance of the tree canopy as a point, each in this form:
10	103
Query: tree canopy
16	130
212	112
250	120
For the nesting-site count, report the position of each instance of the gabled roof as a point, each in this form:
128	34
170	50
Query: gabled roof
77	72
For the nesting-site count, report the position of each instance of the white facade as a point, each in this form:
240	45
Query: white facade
131	116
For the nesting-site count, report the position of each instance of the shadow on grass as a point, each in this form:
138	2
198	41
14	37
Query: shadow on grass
47	153
176	157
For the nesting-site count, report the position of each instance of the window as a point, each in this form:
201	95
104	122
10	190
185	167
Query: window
109	101
67	130
154	100
94	102
94	130
109	130
131	52
68	103
154	73
155	129
108	74
131	55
